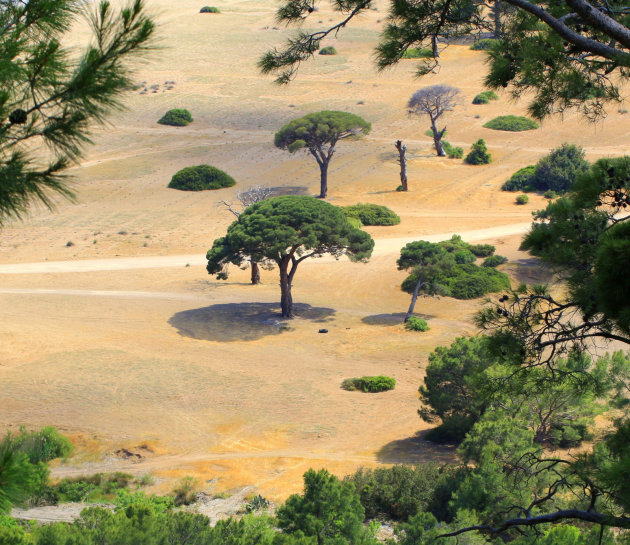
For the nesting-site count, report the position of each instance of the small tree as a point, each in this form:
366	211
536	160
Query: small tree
434	101
479	154
402	159
246	198
319	133
287	230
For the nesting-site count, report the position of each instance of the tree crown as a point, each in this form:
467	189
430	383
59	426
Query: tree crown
434	100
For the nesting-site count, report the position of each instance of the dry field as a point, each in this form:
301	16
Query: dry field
166	370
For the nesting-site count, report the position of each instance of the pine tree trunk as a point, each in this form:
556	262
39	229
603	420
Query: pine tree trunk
286	301
496	13
414	298
255	273
323	169
434	46
402	159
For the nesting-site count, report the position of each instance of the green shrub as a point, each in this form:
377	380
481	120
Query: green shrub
178	117
485	97
494	261
464	256
484	44
560	168
209	9
41	446
186	490
482	250
356	222
328	50
550	194
257	503
522	199
478	154
199	178
513	123
417	53
372	385
452	152
429	133
98	487
521	180
416	324
372	214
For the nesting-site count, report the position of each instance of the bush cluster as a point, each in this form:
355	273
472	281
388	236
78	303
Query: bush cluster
372	214
177	117
513	123
521	180
485	97
417	53
479	154
494	261
40	446
209	9
328	50
452	152
200	178
371	385
484	44
416	324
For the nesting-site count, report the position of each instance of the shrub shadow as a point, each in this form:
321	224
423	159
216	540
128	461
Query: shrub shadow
416	450
233	322
289	190
530	271
393	318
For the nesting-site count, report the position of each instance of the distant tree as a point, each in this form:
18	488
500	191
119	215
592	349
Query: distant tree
434	101
287	230
319	133
51	94
328	510
246	198
402	160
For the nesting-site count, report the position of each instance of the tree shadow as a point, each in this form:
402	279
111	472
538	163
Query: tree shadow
233	322
530	270
393	318
416	450
289	190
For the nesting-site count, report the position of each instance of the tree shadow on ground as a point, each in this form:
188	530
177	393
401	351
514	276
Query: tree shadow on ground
416	450
233	322
530	271
393	318
289	190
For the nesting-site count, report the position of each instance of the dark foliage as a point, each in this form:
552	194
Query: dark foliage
200	178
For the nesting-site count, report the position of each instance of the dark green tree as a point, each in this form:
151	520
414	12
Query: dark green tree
567	53
287	230
49	96
328	509
319	133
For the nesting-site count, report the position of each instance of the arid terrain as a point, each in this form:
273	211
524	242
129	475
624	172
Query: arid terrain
154	366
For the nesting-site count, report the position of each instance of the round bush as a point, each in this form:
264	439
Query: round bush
209	9
417	53
494	261
464	256
478	154
416	324
371	385
550	194
178	117
513	123
559	170
522	199
199	178
521	180
485	97
372	214
328	50
482	45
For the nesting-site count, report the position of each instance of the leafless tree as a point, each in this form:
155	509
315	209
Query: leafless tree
245	199
434	101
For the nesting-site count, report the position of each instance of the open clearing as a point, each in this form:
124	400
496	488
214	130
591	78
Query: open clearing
164	369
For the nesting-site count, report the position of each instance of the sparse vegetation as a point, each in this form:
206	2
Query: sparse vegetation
200	178
371	385
209	9
478	154
484	44
512	123
186	490
417	53
371	214
416	324
328	50
522	199
177	117
452	152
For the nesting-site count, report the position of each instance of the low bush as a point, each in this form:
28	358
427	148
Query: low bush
429	133
464	256
371	385
521	180
257	503
452	152
177	117
485	97
482	250
41	446
484	44
550	194
560	168
417	53
98	487
478	154
328	50
372	214
186	490
513	123
522	199
416	324
494	261
200	178
356	222
209	9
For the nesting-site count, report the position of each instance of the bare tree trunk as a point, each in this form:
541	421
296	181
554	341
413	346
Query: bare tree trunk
323	169
402	159
434	46
437	138
255	277
286	301
496	14
414	298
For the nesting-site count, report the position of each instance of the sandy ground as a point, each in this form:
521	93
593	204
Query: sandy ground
191	376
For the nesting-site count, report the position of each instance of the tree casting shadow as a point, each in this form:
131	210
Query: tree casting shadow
242	321
393	318
415	450
289	190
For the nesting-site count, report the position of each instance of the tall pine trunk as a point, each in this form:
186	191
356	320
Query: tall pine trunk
323	169
286	301
414	298
255	277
